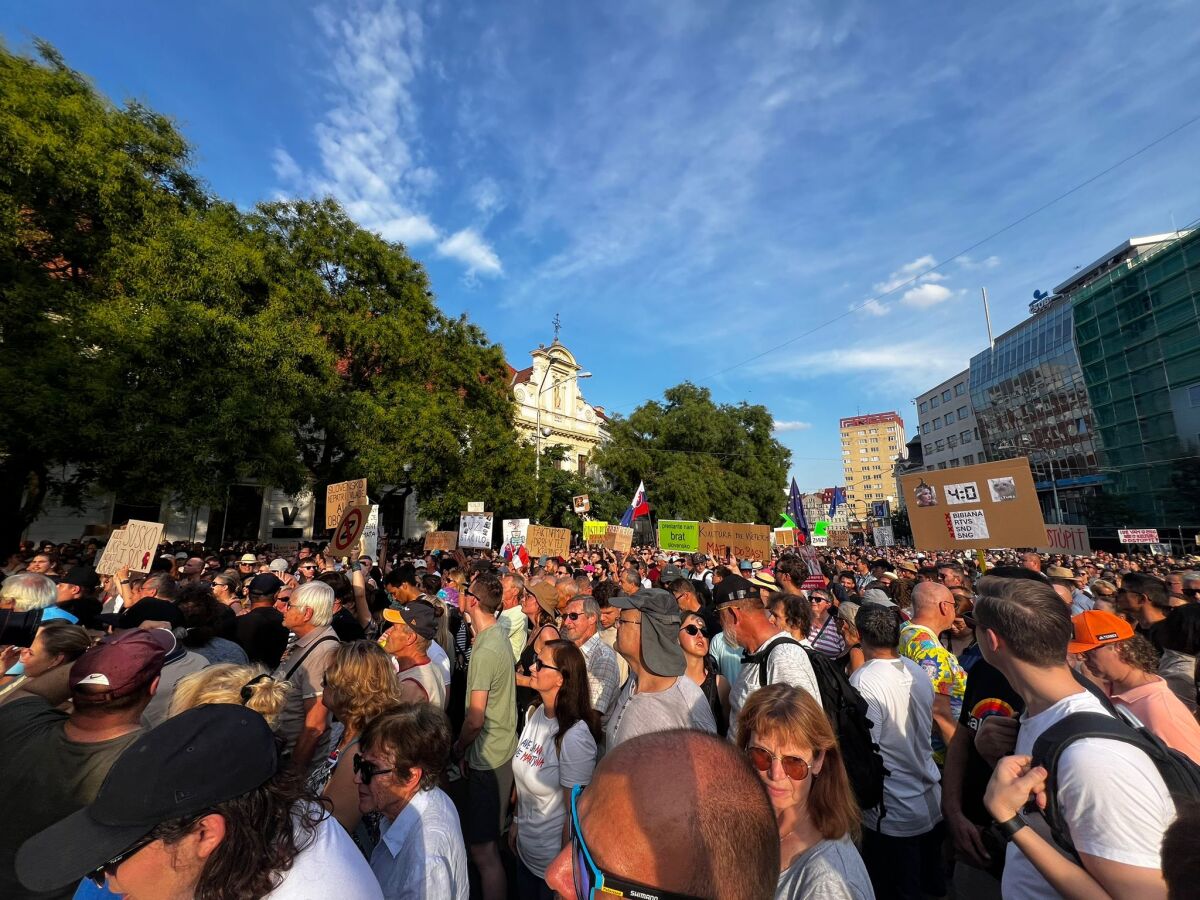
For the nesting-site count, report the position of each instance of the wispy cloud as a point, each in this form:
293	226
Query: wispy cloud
970	264
783	426
472	251
924	296
872	307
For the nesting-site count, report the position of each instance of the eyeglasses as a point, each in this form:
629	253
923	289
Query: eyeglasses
794	767
366	770
571	617
537	665
694	630
621	621
307	567
591	881
816	600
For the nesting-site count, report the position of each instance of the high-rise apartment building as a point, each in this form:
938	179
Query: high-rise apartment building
870	445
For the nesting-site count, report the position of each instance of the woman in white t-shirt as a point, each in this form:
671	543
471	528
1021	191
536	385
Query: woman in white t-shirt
788	739
557	751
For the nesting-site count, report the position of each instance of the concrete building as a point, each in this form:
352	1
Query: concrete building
947	427
870	446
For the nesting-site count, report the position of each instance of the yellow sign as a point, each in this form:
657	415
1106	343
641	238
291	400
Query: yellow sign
593	532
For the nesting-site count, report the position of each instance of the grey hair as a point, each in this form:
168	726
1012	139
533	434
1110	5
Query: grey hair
28	591
590	606
317	596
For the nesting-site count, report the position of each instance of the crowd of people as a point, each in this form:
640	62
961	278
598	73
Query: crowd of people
835	723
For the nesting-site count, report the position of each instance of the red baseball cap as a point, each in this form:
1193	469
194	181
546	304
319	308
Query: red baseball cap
1096	627
120	664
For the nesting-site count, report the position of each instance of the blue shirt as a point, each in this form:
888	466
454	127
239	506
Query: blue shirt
421	855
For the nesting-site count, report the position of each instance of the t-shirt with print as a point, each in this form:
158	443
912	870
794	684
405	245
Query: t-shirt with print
1115	803
682	705
46	777
492	669
922	646
541	773
988	694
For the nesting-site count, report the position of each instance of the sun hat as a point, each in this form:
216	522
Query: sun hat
659	629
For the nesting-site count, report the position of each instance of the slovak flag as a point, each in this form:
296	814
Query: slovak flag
517	556
637	506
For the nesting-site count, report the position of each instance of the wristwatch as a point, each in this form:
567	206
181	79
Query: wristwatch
1009	828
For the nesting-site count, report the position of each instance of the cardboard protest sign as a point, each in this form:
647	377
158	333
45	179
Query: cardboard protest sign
1066	539
784	537
134	545
545	541
1138	535
839	537
676	535
341	495
618	539
349	530
475	530
718	539
593	532
974	507
441	540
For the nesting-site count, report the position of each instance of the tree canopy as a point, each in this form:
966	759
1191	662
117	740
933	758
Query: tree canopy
697	458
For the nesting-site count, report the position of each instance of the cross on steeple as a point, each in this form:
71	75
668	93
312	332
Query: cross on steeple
557	326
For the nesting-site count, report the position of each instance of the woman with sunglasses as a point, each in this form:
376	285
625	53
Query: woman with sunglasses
823	632
702	668
557	750
227	588
788	740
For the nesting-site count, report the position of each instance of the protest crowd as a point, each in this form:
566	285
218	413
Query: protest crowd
824	723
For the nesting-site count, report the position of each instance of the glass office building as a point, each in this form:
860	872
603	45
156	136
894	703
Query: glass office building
1138	332
1030	400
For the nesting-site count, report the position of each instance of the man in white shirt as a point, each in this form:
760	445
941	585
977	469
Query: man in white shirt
744	619
512	617
902	837
1115	803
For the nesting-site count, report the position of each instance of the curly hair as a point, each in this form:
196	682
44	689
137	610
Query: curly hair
265	830
1139	653
360	684
797	611
228	683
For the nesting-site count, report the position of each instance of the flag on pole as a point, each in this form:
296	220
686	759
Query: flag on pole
839	498
796	509
518	557
637	506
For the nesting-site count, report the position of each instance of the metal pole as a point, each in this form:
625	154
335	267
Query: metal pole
987	315
1054	488
537	461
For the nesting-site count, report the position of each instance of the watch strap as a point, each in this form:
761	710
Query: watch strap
1008	829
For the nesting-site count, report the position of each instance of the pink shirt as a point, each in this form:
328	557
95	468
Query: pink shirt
1164	714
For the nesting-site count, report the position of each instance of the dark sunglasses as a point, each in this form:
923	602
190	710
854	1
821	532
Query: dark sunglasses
307	567
591	881
109	869
694	630
794	767
571	617
366	770
538	665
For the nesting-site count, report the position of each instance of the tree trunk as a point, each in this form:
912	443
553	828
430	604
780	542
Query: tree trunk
22	490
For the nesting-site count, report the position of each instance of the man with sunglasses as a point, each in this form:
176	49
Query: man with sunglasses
580	621
635	833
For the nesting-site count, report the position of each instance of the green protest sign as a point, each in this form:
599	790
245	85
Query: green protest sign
682	536
820	529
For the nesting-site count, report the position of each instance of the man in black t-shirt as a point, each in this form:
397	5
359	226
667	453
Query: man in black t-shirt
261	632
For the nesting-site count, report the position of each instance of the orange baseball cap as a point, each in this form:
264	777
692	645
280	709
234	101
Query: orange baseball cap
1096	627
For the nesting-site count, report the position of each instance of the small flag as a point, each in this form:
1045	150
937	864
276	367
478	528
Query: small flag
839	497
796	509
517	556
637	506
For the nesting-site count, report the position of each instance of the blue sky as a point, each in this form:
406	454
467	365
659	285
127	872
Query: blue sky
692	185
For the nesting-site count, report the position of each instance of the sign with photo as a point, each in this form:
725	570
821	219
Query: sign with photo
544	541
475	531
974	507
581	504
341	495
677	535
884	536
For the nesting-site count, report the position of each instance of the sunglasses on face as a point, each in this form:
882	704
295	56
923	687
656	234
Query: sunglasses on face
366	770
537	665
794	767
694	630
592	882
572	616
109	869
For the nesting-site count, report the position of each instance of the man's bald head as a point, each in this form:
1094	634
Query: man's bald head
707	830
933	606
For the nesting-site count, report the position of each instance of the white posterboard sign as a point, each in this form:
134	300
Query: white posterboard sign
884	536
368	544
967	525
475	531
1138	535
1067	539
475	506
133	546
515	532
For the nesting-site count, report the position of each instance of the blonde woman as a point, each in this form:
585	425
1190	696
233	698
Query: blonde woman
248	686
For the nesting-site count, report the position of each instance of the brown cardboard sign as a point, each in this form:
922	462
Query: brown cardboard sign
974	507
542	540
743	541
785	537
441	540
341	495
134	545
618	539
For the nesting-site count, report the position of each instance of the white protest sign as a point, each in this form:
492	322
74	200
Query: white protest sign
515	531
884	536
475	530
967	525
133	546
1138	535
369	542
474	506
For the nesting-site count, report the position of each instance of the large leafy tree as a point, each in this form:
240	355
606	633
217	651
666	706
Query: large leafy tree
699	459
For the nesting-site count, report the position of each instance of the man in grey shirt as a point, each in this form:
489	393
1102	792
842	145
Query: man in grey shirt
658	695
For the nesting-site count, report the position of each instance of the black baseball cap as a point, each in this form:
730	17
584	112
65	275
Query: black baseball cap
733	589
419	615
265	585
179	769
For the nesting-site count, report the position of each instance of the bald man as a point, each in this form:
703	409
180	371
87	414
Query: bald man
716	838
933	613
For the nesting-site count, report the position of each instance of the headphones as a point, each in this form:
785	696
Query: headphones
247	691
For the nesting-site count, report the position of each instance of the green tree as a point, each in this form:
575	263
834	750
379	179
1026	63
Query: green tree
697	458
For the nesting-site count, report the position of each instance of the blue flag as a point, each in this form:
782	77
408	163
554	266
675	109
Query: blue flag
839	497
796	509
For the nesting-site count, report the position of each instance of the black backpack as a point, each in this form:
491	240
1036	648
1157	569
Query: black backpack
847	712
1178	772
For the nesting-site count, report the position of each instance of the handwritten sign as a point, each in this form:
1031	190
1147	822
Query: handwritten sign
974	507
368	544
593	532
475	531
514	532
677	535
475	506
839	537
1138	535
618	539
742	541
785	537
441	540
545	541
341	495
134	545
1066	539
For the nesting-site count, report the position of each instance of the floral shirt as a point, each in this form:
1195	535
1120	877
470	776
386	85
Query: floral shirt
922	646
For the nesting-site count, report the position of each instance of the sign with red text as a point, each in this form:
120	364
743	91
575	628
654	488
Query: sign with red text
134	546
1071	539
1138	535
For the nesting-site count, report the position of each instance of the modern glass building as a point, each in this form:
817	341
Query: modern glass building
1029	398
1137	328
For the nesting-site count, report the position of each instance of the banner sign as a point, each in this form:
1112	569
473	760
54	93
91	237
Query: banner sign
441	540
341	495
618	539
974	507
133	545
717	539
349	530
593	532
581	504
1133	535
784	537
475	506
544	541
1066	539
677	535
475	531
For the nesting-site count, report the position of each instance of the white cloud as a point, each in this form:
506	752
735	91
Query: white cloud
873	307
473	251
970	264
889	367
285	167
914	271
924	296
784	425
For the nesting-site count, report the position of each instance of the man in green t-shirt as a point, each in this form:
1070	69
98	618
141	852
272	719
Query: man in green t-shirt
489	732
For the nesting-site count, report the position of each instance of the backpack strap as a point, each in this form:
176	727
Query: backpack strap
304	655
764	656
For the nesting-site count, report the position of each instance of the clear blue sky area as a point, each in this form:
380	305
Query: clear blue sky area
690	185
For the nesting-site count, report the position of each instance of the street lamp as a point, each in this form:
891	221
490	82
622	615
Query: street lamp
542	388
